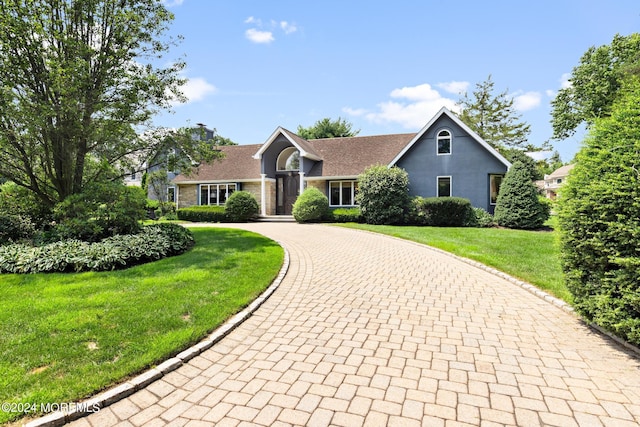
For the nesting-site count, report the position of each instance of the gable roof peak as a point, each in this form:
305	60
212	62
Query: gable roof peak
444	111
306	150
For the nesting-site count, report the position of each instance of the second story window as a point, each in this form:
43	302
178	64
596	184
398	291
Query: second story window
443	140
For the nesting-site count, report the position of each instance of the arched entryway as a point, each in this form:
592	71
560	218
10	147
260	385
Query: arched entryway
287	180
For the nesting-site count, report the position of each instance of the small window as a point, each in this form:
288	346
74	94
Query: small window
495	181
444	186
171	194
444	142
342	193
559	181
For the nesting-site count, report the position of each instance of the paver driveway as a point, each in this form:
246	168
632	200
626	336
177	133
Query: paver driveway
371	330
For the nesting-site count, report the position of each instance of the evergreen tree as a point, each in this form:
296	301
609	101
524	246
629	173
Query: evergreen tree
493	117
518	205
327	128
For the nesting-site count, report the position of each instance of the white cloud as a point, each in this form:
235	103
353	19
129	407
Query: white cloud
287	27
252	20
171	3
526	101
550	93
454	87
564	81
422	103
197	88
257	36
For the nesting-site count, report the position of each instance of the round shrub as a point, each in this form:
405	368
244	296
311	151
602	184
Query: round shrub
518	205
241	206
102	210
383	195
311	206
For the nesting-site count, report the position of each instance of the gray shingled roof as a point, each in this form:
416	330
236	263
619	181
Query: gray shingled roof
238	164
341	157
351	156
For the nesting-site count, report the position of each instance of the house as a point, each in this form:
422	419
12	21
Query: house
445	158
555	180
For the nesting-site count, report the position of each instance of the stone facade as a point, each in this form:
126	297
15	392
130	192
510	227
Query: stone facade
187	195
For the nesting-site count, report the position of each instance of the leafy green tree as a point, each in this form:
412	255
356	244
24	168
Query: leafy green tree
594	84
493	117
383	195
599	212
518	205
79	78
327	128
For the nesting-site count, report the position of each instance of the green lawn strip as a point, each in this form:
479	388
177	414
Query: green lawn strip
64	337
531	256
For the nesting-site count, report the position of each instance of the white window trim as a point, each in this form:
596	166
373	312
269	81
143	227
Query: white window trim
438	185
353	193
227	184
450	142
175	193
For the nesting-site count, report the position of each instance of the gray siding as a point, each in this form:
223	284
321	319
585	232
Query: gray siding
270	156
469	165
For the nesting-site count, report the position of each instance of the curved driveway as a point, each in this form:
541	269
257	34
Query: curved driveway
371	330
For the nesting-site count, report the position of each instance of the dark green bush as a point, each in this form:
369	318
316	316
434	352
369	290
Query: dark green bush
14	228
241	206
152	243
442	211
203	214
102	210
599	218
346	215
480	218
518	205
311	206
383	195
16	200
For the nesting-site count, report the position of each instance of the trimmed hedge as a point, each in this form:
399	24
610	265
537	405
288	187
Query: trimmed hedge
152	243
203	214
346	215
442	211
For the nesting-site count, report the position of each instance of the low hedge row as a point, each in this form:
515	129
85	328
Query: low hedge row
152	243
346	215
441	211
203	214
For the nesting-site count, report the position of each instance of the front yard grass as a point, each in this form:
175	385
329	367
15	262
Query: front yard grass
531	256
64	337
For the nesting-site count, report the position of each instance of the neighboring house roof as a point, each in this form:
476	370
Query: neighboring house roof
561	172
238	164
350	156
467	129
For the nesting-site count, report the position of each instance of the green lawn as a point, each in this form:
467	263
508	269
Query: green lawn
532	256
64	337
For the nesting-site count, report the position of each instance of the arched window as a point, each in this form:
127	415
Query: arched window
444	142
288	160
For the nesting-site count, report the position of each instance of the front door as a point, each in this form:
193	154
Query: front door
287	190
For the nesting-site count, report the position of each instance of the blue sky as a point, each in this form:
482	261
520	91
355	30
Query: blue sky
385	66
